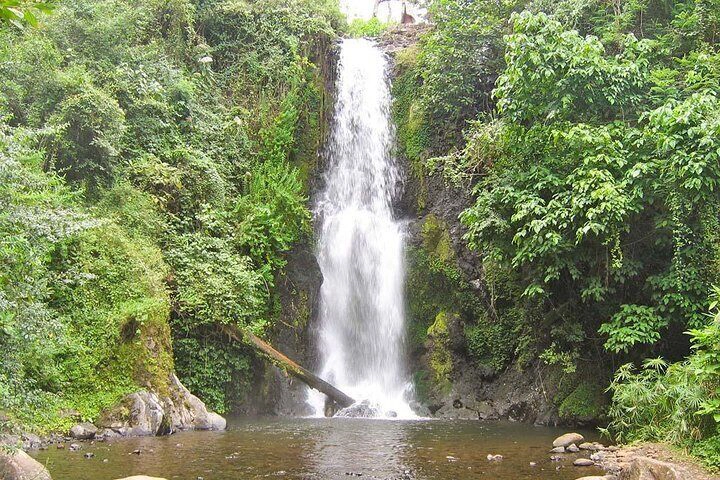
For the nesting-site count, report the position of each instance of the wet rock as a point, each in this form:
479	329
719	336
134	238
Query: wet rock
486	411
583	462
362	409
21	466
457	413
30	441
83	431
420	409
138	414
74	447
494	458
592	446
555	458
89	455
533	464
558	450
107	433
568	439
572	448
644	468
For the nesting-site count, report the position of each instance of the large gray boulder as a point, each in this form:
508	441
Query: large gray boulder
644	468
21	466
145	413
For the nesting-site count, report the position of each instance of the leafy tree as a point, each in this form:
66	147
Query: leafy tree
20	12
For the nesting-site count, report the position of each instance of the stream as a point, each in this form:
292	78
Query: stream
318	448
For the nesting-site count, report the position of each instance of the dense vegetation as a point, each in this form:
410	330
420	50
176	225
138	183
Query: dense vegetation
588	133
154	158
154	168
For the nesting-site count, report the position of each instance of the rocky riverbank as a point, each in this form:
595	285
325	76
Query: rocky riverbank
649	461
142	413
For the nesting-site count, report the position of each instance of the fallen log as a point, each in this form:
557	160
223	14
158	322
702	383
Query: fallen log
292	368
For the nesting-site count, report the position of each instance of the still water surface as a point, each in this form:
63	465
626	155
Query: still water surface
323	449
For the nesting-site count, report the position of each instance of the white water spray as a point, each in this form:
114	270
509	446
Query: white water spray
360	252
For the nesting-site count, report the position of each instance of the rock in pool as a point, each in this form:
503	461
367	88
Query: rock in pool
568	439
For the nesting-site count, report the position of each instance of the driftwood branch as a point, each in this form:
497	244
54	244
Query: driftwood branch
289	366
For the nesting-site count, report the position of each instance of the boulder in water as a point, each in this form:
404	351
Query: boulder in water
568	439
362	409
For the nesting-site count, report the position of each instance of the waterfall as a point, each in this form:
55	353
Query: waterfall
360	247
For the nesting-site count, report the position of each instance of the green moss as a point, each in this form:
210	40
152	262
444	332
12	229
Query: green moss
436	239
310	129
409	116
441	363
372	27
586	402
492	343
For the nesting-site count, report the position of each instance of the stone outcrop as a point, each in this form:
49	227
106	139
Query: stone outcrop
146	413
644	468
21	466
650	462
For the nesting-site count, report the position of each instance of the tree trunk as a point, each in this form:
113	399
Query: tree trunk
289	366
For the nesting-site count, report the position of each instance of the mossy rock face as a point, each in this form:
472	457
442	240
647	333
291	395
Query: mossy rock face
436	240
440	354
585	404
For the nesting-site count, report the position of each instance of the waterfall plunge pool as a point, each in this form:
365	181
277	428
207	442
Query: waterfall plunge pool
328	448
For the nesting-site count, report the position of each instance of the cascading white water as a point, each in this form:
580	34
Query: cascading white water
360	251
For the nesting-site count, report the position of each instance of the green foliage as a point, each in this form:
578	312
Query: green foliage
678	403
632	324
571	200
492	343
458	59
554	74
20	12
585	403
595	177
153	165
89	127
367	28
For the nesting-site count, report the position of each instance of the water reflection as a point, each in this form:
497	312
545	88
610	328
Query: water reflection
359	447
327	449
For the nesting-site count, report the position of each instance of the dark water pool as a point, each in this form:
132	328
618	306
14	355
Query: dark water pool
327	449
